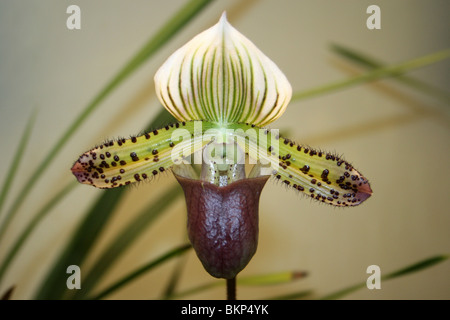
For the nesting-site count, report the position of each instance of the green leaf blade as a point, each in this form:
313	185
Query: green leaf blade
369	62
16	162
424	264
292	296
379	73
125	238
54	285
32	225
275	278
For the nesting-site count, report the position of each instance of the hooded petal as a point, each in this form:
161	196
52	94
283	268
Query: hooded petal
222	77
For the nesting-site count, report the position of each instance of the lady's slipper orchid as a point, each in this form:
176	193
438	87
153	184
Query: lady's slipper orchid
223	89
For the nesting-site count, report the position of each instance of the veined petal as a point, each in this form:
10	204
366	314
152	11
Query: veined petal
222	77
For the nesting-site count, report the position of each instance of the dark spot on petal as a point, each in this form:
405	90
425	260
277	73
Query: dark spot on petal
305	168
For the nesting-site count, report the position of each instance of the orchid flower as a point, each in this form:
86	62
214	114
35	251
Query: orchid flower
223	91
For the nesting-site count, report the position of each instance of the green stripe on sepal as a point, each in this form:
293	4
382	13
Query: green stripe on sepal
222	77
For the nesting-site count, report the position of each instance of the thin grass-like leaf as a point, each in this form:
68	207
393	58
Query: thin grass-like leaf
32	224
271	278
344	292
148	267
16	160
380	73
8	293
125	238
292	296
419	266
53	286
197	289
356	57
180	19
427	263
369	62
256	280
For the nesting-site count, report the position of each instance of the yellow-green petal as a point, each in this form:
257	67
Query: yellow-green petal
320	175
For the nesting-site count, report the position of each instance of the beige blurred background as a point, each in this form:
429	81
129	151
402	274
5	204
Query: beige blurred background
397	137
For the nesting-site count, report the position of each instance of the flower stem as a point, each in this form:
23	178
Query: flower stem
231	289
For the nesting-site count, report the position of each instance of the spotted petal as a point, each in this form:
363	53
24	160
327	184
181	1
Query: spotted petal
320	175
222	77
